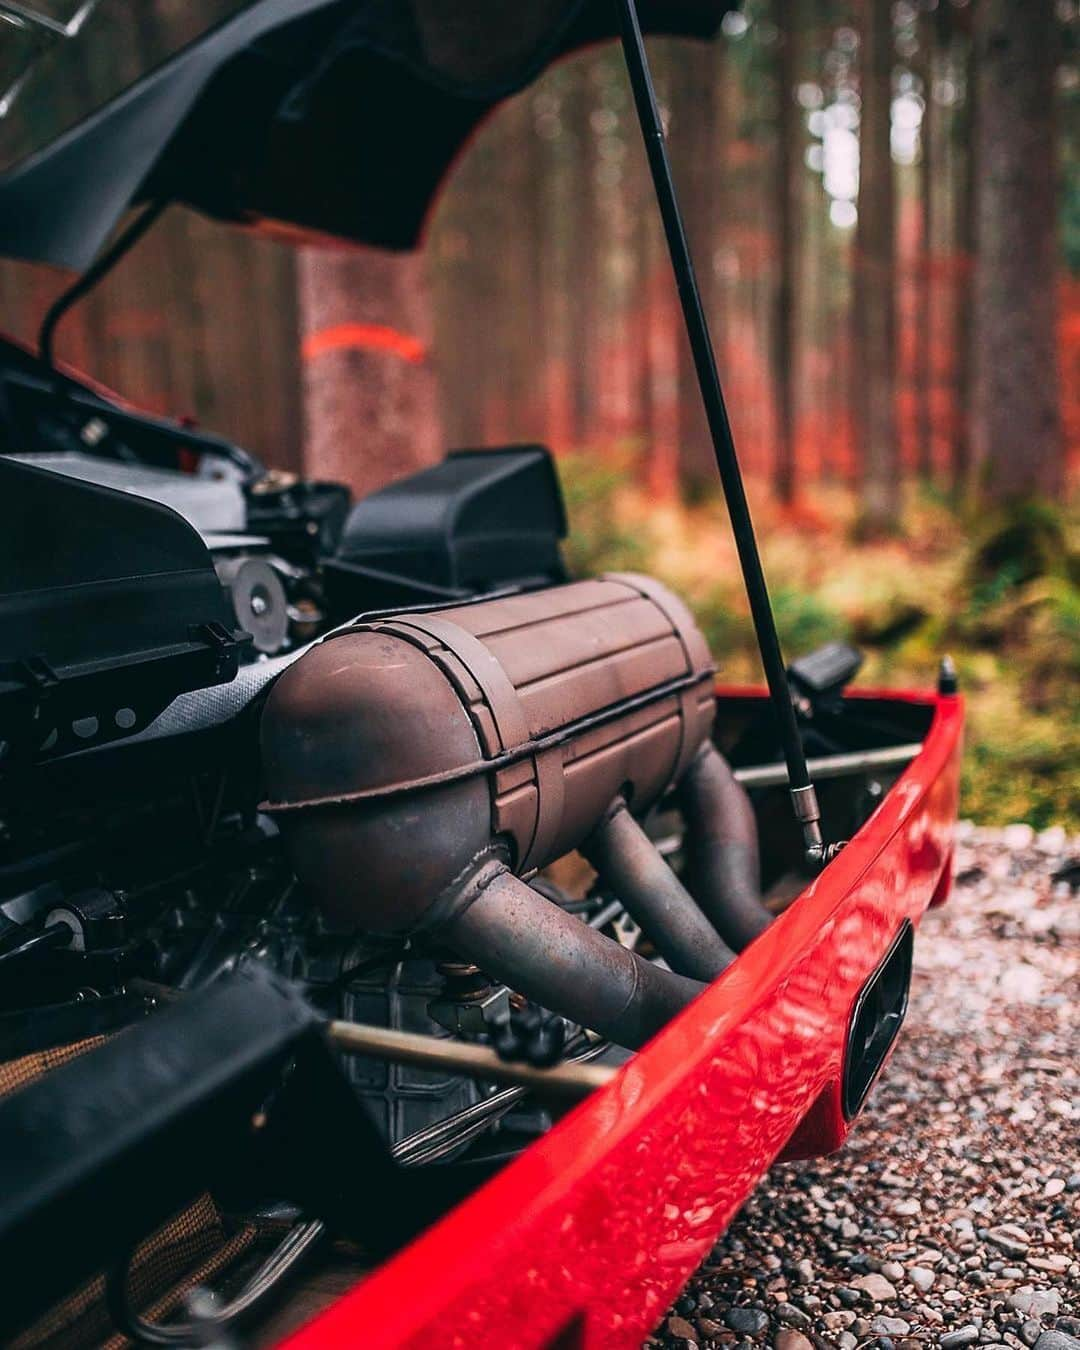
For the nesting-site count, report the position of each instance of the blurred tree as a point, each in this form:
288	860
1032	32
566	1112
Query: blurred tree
370	411
1016	417
929	19
874	316
552	288
663	318
583	298
964	231
788	174
695	167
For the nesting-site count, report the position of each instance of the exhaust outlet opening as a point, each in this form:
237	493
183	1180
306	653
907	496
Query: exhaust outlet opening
876	1020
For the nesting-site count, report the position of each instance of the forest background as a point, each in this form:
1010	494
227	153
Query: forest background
884	205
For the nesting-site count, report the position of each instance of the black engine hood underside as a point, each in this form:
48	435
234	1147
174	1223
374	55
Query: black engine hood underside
336	117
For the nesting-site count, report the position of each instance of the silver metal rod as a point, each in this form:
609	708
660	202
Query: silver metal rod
567	1080
831	766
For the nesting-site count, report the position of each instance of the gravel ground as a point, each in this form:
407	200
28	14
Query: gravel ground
952	1216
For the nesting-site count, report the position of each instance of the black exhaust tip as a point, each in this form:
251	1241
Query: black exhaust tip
875	1021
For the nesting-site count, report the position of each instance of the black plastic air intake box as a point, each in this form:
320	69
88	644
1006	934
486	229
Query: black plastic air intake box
480	521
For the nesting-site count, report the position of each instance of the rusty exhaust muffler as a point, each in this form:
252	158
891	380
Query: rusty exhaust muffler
422	764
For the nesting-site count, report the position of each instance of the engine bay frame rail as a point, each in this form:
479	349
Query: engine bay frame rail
831	766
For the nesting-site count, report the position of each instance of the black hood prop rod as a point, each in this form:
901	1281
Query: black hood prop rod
803	796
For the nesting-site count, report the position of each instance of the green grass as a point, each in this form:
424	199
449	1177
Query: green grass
1001	594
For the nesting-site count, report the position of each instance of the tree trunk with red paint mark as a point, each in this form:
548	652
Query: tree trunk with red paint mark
370	416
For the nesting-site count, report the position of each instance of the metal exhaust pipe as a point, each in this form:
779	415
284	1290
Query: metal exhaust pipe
628	863
535	947
722	848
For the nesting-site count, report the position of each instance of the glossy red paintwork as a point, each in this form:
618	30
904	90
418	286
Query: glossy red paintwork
587	1238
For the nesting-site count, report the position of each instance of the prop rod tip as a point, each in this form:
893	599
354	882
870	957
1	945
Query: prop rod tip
808	813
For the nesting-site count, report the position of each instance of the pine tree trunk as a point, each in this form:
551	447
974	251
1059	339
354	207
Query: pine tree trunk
925	335
663	325
785	309
370	410
966	226
1016	420
874	326
583	255
695	167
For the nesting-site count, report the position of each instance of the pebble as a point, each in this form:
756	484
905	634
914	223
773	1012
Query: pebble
890	1326
837	1321
1011	1240
892	1270
1056	1263
1033	1302
747	1321
954	1340
877	1286
792	1340
679	1326
1056	1340
922	1278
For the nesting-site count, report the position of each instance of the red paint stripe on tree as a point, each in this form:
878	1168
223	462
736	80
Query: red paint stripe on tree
363	337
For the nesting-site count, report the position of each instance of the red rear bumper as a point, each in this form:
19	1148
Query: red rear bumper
587	1238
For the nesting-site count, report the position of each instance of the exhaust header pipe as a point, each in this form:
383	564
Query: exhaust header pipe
422	765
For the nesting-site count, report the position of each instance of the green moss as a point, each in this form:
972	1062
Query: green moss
1002	597
598	541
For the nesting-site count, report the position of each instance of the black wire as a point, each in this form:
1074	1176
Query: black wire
93	274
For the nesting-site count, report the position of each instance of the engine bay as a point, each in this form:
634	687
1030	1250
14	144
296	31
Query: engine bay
424	781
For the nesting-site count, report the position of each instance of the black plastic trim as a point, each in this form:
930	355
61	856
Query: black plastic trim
876	1019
